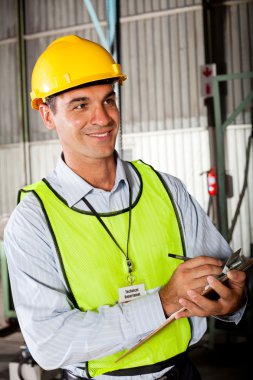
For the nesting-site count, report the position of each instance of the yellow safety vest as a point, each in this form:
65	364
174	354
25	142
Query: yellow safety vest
95	268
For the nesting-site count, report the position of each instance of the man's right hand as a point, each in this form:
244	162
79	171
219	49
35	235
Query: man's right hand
190	275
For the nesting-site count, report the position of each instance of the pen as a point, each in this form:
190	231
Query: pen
179	257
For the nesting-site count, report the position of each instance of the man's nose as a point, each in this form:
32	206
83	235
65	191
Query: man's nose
100	116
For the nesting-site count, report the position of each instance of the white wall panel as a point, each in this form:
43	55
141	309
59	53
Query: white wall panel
43	156
183	153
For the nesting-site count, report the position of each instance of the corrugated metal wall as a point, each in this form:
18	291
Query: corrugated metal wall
162	50
163	66
164	117
10	127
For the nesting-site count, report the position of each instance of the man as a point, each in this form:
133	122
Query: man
88	246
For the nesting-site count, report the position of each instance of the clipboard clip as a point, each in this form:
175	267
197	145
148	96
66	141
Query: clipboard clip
236	259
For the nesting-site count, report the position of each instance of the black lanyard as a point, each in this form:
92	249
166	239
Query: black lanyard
130	277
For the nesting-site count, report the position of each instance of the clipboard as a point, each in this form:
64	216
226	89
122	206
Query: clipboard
236	261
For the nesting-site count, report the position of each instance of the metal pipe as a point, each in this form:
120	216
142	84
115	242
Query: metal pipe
118	55
23	88
111	20
219	133
97	24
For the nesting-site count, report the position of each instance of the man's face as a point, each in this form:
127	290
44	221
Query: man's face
86	121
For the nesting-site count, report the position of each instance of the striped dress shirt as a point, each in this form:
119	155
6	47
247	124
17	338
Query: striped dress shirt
59	335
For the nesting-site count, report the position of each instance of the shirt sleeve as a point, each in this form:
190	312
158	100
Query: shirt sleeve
56	333
200	234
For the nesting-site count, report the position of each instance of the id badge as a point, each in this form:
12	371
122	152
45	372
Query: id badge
129	293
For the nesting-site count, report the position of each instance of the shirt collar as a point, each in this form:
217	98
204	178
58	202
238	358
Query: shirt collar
74	188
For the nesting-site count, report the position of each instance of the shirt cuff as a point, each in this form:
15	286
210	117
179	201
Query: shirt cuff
145	313
236	317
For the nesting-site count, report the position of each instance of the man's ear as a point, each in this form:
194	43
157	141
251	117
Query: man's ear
47	116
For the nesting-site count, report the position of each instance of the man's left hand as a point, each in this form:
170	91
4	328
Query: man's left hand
231	297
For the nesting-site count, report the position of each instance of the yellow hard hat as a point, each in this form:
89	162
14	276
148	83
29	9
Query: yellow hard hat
68	62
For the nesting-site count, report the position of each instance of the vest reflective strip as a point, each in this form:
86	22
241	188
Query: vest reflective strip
89	256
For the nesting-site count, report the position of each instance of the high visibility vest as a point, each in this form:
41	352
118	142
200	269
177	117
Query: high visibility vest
95	268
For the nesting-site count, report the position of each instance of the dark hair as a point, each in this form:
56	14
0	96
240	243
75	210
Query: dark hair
51	102
51	99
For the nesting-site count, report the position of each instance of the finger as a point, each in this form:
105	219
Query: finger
220	288
229	300
193	306
237	277
202	260
198	284
185	313
224	290
232	297
210	306
197	276
206	270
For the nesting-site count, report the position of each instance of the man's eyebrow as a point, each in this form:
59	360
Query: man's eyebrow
86	98
111	93
79	99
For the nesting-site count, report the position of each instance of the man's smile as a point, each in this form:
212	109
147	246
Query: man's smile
99	134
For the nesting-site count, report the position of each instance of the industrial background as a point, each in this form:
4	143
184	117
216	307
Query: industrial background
177	113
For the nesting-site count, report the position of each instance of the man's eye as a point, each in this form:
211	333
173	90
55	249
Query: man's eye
81	106
110	101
